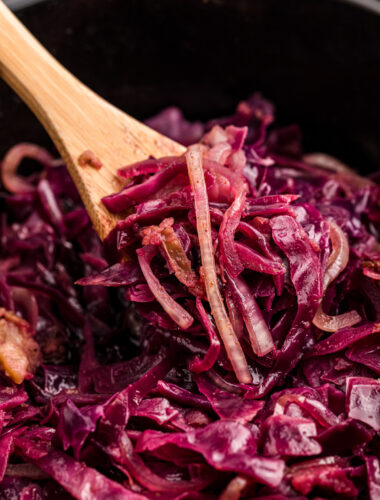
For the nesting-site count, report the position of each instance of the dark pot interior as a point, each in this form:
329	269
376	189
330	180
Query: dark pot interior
318	60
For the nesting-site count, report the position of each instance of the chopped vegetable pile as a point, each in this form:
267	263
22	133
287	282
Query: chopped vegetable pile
223	343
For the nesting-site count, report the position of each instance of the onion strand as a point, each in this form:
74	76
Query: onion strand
337	263
170	306
234	350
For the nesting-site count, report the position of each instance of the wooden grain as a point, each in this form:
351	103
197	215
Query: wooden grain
76	118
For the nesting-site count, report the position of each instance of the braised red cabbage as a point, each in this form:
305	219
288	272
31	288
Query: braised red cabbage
223	342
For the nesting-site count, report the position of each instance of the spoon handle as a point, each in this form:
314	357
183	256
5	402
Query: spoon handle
39	79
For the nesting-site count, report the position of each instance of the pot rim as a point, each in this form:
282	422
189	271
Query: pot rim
370	5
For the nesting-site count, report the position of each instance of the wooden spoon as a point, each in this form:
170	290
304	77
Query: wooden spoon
76	118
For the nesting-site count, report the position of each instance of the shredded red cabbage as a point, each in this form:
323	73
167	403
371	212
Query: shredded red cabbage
224	341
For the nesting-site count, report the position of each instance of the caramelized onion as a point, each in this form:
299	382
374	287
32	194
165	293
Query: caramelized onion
12	181
333	323
337	263
165	236
198	365
339	256
326	161
230	222
170	306
220	152
19	353
259	334
234	315
223	323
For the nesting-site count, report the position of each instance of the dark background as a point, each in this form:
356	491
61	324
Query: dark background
318	60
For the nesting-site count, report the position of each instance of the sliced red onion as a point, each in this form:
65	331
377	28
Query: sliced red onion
170	306
222	171
326	161
19	353
219	153
259	333
14	318
337	262
333	323
201	365
339	256
50	205
237	161
345	176
180	263
234	315
216	135
29	471
15	183
230	222
223	323
375	275
165	236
